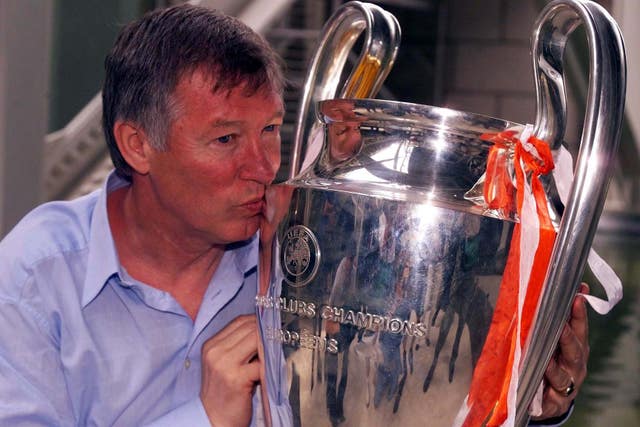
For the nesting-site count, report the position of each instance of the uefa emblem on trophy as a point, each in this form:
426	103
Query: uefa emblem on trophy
300	256
425	259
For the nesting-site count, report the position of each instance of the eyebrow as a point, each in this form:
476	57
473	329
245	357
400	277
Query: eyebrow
224	123
278	114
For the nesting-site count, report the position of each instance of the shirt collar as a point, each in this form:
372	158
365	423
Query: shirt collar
246	254
103	258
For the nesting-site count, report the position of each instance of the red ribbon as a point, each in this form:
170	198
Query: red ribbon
488	393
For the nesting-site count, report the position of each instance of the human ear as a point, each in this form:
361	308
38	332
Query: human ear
133	145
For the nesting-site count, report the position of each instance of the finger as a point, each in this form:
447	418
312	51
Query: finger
554	404
579	320
569	345
556	376
574	351
252	371
238	342
230	363
570	363
244	374
246	348
230	331
550	409
241	342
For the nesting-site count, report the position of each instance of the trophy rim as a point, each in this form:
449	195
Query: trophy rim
408	114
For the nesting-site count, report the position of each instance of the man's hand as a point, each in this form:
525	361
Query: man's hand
568	367
230	372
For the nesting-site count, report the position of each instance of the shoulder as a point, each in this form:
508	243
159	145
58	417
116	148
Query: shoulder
51	230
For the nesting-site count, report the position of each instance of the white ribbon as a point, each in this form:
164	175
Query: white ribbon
529	240
610	282
604	274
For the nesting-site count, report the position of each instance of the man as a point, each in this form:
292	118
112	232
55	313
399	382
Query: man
135	305
112	299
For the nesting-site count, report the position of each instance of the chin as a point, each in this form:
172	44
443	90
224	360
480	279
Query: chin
245	232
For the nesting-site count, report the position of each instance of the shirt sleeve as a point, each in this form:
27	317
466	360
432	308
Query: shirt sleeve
553	422
33	389
191	414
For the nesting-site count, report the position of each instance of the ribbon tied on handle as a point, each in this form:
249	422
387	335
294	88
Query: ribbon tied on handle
492	395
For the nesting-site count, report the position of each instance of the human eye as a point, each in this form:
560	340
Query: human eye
271	128
225	139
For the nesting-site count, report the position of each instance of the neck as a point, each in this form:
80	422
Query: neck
157	253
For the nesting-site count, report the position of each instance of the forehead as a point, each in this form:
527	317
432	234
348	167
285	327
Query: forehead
202	85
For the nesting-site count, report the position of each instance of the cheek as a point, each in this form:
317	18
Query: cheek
276	159
275	154
215	172
221	185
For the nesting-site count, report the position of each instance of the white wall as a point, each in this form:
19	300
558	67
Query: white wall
24	79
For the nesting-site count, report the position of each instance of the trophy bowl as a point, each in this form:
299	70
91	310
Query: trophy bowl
387	290
386	275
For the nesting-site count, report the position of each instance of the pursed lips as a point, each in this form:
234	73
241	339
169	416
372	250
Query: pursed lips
255	205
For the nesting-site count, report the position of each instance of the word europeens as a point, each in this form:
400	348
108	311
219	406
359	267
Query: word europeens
360	319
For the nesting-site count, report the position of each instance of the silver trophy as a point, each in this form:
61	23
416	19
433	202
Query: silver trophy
385	271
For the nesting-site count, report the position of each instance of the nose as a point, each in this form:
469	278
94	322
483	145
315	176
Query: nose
262	160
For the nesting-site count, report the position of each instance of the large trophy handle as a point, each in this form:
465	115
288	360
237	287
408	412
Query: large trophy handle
380	45
598	146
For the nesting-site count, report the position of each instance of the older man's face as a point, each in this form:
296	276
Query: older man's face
223	149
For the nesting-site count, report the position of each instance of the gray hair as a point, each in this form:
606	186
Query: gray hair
151	54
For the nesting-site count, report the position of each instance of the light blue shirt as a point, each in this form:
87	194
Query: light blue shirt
84	344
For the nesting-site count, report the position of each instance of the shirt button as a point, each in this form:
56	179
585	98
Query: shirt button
187	363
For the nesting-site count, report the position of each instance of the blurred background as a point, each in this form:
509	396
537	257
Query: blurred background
463	54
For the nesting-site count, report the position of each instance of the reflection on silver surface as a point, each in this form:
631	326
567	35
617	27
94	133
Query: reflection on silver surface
404	151
396	269
388	330
387	263
381	38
